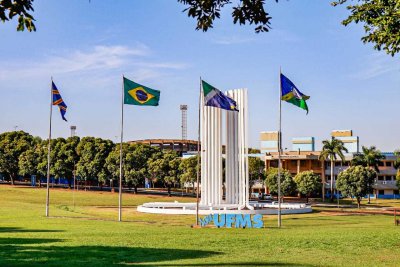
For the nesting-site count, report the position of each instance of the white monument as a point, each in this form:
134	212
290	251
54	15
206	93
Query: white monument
236	163
217	123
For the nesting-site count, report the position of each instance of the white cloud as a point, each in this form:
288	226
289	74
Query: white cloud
100	61
230	40
376	65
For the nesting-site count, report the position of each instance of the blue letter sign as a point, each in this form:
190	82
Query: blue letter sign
233	220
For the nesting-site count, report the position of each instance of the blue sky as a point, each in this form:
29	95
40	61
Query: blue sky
87	47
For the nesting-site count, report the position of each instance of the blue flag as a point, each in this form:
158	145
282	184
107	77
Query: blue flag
215	98
58	101
291	94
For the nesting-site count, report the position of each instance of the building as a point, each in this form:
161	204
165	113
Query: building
303	144
346	136
181	146
269	142
302	160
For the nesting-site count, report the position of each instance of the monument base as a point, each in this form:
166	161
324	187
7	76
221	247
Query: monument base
190	208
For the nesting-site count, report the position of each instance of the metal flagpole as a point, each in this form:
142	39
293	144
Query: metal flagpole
48	151
198	160
73	192
120	153
279	150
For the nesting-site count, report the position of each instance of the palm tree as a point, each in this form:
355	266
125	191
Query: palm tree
370	157
330	150
397	166
397	162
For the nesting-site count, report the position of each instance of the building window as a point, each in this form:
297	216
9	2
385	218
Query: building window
346	163
293	163
380	178
273	163
388	164
396	192
337	163
381	163
381	192
303	163
316	164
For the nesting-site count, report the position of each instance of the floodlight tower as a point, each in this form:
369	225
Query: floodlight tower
184	121
73	130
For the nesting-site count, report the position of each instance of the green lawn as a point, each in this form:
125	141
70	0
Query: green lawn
88	235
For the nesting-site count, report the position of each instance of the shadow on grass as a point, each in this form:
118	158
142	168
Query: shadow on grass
4	242
39	251
235	264
22	230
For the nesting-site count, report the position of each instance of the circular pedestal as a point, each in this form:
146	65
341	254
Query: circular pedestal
253	208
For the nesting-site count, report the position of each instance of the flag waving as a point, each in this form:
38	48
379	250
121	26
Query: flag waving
58	101
291	94
215	98
137	94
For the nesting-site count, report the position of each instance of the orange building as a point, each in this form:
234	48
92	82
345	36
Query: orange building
297	161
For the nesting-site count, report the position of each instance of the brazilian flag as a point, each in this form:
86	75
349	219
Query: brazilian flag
137	94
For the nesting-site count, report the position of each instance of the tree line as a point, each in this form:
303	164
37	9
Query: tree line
92	160
95	161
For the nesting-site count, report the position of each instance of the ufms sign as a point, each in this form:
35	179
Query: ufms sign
233	220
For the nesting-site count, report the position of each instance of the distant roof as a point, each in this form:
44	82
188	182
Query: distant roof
164	141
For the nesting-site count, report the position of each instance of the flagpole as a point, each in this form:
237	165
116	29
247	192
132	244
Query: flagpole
279	149
49	150
120	153
198	160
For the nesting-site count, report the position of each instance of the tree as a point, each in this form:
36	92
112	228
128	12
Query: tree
397	161
397	166
28	161
135	158
256	170
330	150
247	11
188	170
21	8
356	182
254	151
165	166
370	157
42	153
65	157
381	20
288	186
93	153
12	145
307	183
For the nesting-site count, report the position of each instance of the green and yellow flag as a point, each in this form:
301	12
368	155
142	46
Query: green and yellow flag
137	94
291	94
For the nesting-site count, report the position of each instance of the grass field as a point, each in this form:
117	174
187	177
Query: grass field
88	235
